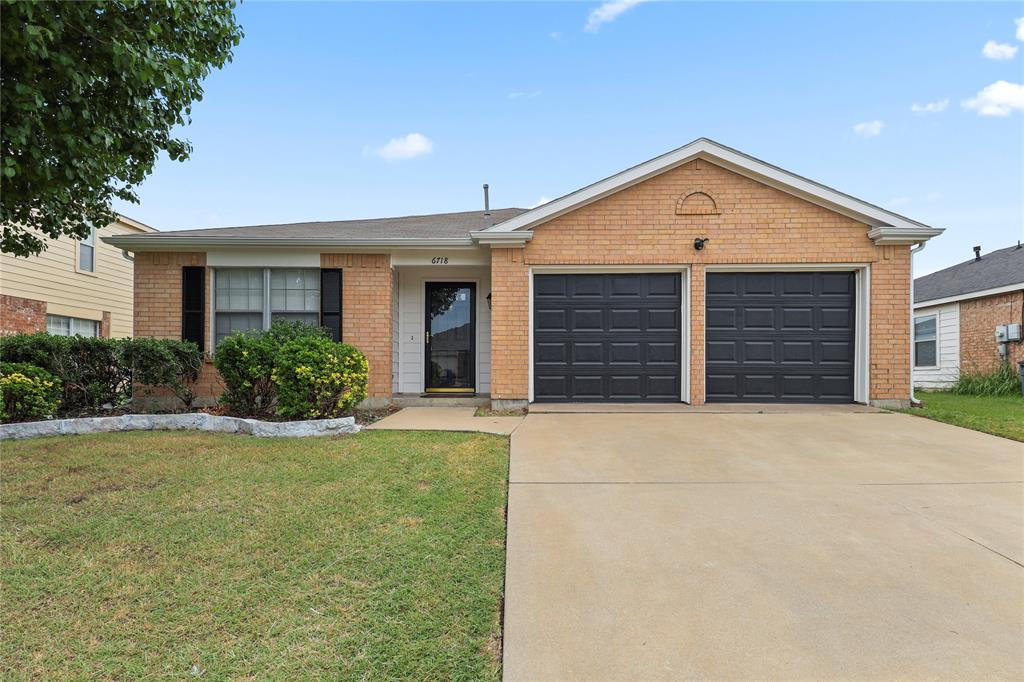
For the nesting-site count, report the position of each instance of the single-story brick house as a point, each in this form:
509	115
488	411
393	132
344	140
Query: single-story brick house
700	275
958	312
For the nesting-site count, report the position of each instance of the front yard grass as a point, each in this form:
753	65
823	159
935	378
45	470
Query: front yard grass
160	555
998	415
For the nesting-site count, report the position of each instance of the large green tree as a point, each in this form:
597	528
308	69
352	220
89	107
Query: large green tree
90	94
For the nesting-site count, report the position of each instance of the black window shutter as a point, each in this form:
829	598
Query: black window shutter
330	301
193	305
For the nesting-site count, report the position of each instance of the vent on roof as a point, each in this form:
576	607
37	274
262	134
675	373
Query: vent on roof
977	253
487	199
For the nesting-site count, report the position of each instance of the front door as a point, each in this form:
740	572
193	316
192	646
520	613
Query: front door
450	337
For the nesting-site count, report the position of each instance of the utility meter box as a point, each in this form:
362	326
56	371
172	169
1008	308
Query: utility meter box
1001	333
1013	332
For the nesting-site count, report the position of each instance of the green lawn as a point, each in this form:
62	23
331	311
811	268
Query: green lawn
1001	416
159	555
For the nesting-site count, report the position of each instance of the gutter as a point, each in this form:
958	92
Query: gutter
168	242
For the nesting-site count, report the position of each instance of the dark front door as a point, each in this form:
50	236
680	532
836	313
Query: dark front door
451	337
607	337
779	337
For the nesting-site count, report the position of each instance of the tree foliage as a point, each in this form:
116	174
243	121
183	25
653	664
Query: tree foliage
90	94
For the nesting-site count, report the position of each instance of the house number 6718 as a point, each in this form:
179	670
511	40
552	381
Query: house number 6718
439	260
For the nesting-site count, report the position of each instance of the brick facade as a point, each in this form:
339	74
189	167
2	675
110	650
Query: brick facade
755	224
21	315
366	306
366	312
979	318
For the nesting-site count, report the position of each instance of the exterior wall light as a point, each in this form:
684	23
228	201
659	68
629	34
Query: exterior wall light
699	242
488	301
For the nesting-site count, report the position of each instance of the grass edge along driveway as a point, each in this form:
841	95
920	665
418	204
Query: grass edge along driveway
997	415
145	555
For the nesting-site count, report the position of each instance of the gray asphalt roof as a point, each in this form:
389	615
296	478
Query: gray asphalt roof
437	225
996	269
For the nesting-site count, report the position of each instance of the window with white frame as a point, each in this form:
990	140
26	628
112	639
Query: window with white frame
87	252
61	325
249	299
925	341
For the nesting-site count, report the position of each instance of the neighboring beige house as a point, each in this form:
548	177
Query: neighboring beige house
73	287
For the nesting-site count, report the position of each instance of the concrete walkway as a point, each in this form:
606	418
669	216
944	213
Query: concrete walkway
446	419
751	546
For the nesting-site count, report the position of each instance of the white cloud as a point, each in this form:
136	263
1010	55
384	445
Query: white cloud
999	51
540	202
413	144
607	13
998	99
897	202
869	128
555	35
932	197
1020	28
935	107
524	95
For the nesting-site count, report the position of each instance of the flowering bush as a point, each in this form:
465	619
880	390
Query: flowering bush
317	378
246	362
27	392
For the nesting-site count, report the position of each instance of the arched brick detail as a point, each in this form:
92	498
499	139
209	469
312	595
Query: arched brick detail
697	202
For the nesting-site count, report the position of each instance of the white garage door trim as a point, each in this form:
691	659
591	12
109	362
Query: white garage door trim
862	319
684	273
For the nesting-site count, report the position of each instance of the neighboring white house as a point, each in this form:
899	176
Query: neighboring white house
957	311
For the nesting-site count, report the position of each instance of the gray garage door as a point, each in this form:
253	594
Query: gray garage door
780	337
609	337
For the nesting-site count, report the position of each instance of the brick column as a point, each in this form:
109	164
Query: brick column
366	314
510	326
696	313
890	326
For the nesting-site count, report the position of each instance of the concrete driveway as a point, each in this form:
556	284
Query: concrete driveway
794	545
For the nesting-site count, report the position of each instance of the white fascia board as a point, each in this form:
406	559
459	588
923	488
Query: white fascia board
973	294
517	238
727	158
885	235
167	242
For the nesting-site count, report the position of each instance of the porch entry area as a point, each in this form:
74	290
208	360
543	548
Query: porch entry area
441	343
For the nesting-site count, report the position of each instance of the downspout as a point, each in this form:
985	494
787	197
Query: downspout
914	402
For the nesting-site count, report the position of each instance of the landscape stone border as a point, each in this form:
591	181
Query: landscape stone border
193	421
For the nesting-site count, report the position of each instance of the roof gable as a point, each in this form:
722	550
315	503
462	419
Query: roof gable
887	227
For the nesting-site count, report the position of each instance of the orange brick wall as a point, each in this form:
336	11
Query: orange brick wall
366	316
21	315
158	311
755	224
979	318
366	311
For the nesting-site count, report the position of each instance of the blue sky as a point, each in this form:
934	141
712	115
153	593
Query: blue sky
539	99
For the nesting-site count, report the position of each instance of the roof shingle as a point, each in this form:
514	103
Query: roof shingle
996	269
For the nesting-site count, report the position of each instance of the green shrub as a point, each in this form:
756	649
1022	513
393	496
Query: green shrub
317	378
97	371
27	392
165	363
245	361
1005	380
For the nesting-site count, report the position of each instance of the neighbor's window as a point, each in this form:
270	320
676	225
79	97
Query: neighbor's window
250	299
61	325
925	347
87	252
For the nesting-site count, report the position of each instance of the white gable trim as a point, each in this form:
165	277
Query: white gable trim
737	162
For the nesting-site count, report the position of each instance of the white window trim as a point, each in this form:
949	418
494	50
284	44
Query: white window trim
914	341
96	326
89	241
267	313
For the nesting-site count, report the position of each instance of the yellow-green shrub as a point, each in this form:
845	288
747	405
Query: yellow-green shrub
317	378
27	392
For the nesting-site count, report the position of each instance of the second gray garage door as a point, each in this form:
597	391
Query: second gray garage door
780	337
607	337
